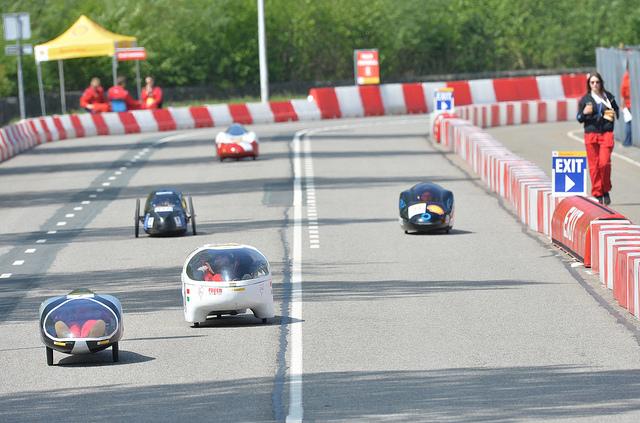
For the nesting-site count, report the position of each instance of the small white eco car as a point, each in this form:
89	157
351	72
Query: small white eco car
226	279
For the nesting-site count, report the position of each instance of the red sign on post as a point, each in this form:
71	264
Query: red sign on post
367	68
133	53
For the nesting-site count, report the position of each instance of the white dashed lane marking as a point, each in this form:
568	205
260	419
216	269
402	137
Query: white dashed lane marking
18	262
99	189
77	208
30	250
310	188
112	178
93	196
69	215
52	232
106	184
41	241
5	275
61	223
86	202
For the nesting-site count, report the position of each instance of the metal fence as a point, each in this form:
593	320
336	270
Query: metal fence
611	63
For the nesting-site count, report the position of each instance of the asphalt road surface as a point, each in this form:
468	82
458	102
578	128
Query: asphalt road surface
489	323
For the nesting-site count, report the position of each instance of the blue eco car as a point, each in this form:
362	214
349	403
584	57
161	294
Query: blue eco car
165	213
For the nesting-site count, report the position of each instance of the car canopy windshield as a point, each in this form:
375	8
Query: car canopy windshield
236	130
81	318
426	193
163	199
228	264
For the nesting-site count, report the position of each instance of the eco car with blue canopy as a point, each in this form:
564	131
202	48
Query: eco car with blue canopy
165	213
426	207
81	322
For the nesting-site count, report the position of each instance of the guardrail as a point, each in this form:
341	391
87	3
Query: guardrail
323	103
597	236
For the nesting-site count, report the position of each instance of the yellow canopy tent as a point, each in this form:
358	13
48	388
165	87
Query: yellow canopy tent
84	38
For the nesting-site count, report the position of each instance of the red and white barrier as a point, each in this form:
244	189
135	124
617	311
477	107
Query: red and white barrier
591	232
538	99
622	288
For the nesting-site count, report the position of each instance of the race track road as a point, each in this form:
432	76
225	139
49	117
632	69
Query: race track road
489	323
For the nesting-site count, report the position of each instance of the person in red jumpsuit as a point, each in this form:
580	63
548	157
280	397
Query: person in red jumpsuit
598	110
120	99
151	95
625	95
93	99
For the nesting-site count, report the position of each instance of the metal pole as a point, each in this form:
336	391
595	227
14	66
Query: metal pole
114	69
20	84
138	78
262	50
63	100
41	88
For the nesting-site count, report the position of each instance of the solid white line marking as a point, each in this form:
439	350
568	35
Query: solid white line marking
30	250
61	223
571	134
69	215
86	202
18	262
77	208
295	369
5	275
52	232
41	241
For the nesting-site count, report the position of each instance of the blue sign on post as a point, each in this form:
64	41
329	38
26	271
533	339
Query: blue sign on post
569	173
443	100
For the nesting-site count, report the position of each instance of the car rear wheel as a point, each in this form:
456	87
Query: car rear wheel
49	356
193	215
114	352
136	222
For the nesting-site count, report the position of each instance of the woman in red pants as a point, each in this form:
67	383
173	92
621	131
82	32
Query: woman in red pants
598	110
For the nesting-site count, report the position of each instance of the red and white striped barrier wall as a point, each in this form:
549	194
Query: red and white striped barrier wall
597	234
30	132
548	98
547	94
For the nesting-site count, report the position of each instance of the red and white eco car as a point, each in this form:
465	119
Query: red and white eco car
236	142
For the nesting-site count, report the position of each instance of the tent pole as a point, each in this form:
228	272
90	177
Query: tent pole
114	69
63	100
41	88
138	77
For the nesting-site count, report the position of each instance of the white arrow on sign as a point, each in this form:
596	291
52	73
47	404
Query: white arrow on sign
568	183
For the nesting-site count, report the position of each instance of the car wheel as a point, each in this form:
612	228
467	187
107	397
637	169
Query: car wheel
406	232
136	223
196	325
265	320
49	356
114	352
193	215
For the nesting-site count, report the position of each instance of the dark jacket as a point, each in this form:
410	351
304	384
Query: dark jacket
595	122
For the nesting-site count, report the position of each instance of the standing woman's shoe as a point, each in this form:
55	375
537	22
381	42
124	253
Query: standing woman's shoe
606	199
